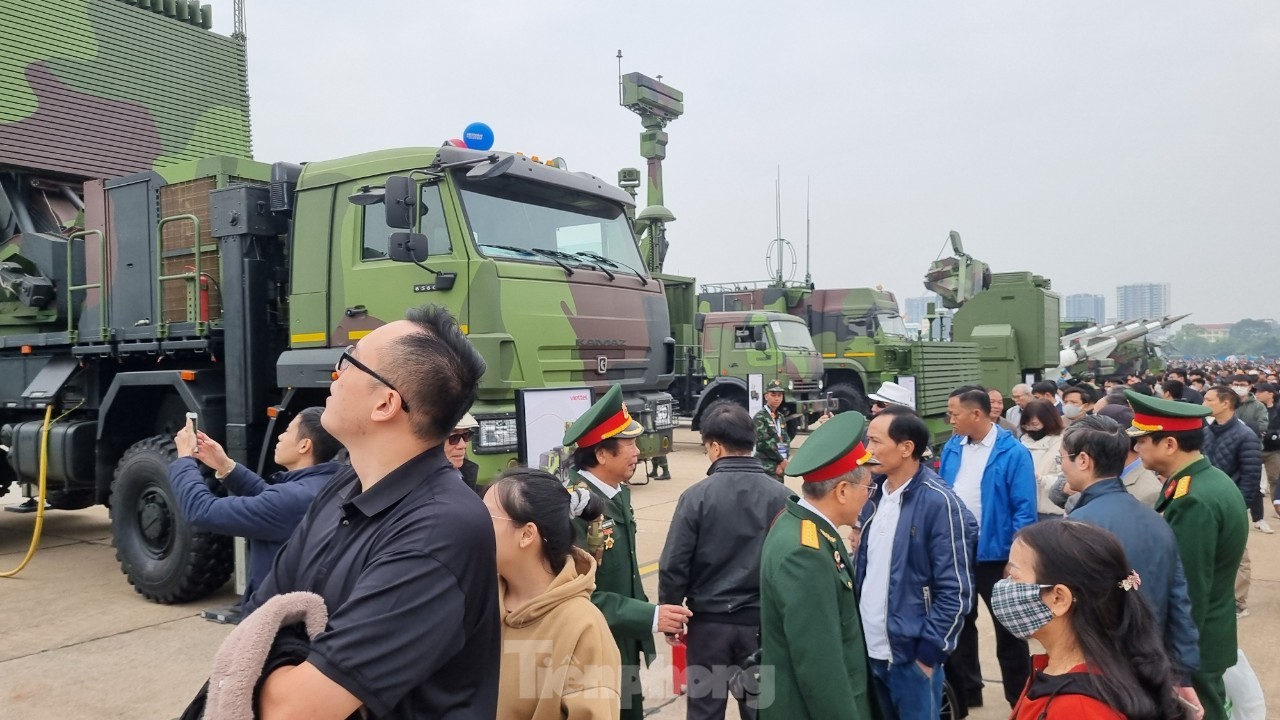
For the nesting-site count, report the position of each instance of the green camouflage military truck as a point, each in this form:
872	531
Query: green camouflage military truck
135	289
731	348
862	342
244	293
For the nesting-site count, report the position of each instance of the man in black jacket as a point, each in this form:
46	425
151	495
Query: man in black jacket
1234	449
712	559
1266	394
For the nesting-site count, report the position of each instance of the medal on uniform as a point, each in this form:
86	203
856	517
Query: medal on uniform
839	562
608	539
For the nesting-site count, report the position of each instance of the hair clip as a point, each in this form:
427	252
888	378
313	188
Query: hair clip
1132	582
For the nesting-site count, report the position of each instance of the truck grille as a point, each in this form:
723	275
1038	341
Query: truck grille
807	386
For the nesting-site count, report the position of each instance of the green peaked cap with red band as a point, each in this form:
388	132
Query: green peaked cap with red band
1151	415
832	450
607	418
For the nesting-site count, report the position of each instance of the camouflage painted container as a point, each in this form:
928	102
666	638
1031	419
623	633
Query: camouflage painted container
103	88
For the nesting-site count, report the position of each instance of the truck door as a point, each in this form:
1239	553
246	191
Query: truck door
745	358
370	289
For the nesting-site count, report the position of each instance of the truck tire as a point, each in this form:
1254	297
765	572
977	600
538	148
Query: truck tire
848	397
165	560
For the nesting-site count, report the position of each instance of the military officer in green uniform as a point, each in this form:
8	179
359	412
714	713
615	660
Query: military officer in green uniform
1208	516
773	445
604	459
810	629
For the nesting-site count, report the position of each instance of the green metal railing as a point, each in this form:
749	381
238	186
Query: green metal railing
103	331
192	278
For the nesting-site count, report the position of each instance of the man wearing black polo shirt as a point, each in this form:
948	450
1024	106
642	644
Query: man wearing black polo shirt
401	550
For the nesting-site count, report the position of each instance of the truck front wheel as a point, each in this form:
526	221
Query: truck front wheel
848	397
164	559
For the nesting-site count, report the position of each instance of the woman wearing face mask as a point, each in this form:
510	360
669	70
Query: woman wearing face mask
1042	436
1070	587
559	659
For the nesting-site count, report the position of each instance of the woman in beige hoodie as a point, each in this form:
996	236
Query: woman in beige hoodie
559	659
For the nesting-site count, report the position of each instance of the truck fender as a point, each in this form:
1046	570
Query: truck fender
726	386
142	404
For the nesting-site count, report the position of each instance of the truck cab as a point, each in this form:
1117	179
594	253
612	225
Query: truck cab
539	264
735	346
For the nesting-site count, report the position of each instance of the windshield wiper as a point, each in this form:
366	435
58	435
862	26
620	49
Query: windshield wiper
604	260
508	248
600	267
551	255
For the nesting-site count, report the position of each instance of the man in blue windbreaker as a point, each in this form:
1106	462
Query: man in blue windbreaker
914	569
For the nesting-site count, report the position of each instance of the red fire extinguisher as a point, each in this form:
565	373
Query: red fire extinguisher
204	298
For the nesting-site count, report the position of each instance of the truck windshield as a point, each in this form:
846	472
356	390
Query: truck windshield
892	324
536	222
793	335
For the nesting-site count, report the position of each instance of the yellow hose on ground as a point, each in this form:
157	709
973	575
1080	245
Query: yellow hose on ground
44	477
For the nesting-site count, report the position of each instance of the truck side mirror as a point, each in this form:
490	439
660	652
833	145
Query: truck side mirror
700	321
402	203
762	346
407	247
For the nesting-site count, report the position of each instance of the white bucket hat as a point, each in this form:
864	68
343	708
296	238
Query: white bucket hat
894	394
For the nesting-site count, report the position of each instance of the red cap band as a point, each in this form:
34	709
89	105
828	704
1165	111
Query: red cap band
1161	423
607	429
857	456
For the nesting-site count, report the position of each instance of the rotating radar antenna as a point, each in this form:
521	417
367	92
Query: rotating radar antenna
780	261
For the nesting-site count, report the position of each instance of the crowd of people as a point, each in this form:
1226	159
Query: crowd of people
1105	522
1152	479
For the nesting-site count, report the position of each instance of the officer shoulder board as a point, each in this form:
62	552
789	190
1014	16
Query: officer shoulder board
809	534
1184	485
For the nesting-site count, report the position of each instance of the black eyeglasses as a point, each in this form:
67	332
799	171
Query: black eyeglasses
460	437
880	404
346	359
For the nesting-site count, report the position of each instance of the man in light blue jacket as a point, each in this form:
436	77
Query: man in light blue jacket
914	569
993	475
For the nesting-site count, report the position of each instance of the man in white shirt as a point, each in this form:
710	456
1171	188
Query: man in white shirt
914	568
993	474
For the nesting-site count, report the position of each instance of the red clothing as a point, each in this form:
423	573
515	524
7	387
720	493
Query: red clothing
1060	697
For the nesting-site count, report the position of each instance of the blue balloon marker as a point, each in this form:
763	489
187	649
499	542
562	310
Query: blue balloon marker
478	136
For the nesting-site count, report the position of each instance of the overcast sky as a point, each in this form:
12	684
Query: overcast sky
1096	143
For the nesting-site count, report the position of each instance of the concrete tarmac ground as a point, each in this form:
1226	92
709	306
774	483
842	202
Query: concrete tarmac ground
77	642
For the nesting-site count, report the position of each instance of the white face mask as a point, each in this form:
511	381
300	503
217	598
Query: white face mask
1072	411
1241	391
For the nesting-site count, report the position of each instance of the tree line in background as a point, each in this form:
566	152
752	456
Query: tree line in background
1247	337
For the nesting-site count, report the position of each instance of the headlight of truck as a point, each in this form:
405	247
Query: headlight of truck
663	417
819	384
791	384
497	434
